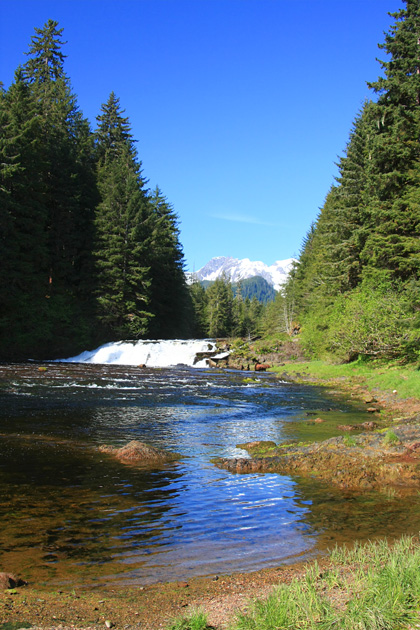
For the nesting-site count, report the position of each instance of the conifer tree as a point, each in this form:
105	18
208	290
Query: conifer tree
393	217
198	310
69	189
23	222
122	223
219	308
169	297
238	313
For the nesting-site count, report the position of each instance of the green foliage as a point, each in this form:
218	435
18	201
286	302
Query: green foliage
196	621
169	297
370	322
356	283
385	375
256	287
123	278
293	606
370	587
221	311
219	307
86	253
349	440
391	438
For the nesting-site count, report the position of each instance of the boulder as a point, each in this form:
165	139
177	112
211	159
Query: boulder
9	580
261	367
139	453
369	426
368	399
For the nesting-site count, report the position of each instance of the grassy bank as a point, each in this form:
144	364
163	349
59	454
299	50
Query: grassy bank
373	586
403	381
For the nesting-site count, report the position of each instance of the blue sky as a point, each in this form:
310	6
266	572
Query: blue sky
240	107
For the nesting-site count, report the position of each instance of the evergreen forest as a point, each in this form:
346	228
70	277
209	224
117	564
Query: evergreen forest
355	291
88	253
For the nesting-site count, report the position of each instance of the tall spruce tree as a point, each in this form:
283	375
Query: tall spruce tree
365	244
219	308
23	224
393	218
198	310
169	296
69	191
123	228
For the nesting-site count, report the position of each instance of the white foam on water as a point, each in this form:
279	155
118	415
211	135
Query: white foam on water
159	353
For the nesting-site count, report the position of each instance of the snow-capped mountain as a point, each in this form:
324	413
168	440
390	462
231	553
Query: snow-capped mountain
236	270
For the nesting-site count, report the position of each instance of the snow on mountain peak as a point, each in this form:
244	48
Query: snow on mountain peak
236	269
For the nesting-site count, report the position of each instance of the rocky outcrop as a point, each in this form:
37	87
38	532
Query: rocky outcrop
367	461
139	453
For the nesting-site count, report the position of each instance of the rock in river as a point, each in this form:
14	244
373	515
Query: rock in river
139	453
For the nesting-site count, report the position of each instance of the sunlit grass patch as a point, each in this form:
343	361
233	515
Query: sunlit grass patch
403	380
390	438
197	620
372	586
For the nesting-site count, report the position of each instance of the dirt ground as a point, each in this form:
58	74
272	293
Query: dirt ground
146	608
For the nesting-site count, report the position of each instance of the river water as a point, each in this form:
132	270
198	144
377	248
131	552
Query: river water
71	515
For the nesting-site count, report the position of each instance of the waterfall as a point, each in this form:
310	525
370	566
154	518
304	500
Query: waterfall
157	353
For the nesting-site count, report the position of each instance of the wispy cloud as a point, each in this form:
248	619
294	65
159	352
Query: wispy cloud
241	218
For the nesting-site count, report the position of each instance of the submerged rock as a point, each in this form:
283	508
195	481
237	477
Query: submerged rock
139	453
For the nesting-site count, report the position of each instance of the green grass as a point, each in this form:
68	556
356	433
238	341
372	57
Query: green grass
349	440
390	438
405	380
373	586
369	587
196	621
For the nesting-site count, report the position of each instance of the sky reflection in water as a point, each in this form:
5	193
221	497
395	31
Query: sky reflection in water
73	514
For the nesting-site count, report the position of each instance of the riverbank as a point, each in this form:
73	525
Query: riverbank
375	586
386	455
153	607
146	608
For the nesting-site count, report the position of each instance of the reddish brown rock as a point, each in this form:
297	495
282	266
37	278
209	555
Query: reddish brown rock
261	367
346	427
139	453
369	426
319	420
9	580
414	446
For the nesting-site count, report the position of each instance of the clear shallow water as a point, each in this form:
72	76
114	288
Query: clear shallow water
71	515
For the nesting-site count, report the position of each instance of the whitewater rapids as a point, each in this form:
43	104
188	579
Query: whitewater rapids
151	353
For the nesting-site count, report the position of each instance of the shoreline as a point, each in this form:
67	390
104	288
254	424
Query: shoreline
153	607
387	454
147	607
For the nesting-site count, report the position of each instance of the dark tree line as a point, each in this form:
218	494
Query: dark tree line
87	252
356	288
222	310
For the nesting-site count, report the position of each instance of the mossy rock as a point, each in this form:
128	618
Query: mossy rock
260	446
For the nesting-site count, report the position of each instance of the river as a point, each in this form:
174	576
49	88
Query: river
71	515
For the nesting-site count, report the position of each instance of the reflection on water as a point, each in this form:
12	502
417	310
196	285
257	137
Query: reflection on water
70	513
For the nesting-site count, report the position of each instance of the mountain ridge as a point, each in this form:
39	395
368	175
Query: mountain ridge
240	269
